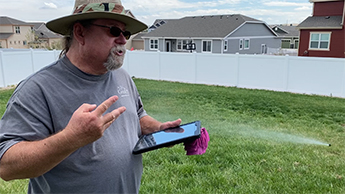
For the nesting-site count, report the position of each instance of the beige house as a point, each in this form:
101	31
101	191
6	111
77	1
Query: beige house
135	42
22	35
15	33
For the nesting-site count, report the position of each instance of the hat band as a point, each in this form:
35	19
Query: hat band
100	7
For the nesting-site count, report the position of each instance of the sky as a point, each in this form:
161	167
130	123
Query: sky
147	11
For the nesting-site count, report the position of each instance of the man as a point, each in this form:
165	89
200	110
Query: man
71	127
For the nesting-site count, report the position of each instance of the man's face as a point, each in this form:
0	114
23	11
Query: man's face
105	46
115	58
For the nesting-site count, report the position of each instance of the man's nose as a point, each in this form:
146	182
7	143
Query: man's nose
121	40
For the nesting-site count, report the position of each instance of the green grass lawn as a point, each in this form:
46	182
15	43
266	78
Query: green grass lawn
260	141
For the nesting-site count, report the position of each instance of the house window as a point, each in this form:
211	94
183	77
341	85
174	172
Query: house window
17	28
24	42
241	44
226	45
263	49
296	44
207	46
181	45
286	43
154	44
246	43
320	41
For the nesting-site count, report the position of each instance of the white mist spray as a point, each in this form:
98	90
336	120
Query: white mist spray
277	136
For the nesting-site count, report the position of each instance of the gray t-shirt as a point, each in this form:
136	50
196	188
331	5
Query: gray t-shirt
43	104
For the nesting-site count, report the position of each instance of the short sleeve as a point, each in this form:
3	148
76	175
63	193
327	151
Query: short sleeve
141	110
18	124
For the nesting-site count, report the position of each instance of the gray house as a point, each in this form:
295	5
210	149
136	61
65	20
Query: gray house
212	34
289	35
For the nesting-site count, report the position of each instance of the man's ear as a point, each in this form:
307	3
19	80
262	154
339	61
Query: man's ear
78	32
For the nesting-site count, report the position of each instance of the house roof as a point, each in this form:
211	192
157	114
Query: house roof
129	12
322	22
212	26
4	20
46	34
5	36
37	25
41	31
139	36
158	23
285	31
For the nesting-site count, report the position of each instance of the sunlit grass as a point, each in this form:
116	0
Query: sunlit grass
260	141
13	187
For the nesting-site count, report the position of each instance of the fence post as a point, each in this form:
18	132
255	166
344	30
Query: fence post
159	65
32	60
2	68
238	69
196	68
287	73
129	62
343	85
56	56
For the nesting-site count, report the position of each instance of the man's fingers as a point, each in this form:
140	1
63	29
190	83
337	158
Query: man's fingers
171	124
100	110
112	116
87	107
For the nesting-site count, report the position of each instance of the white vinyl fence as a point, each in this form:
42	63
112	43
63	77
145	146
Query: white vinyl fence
15	65
306	75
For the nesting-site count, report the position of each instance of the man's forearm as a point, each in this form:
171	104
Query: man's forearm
149	124
32	159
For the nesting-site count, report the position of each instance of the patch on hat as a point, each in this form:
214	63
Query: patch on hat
104	7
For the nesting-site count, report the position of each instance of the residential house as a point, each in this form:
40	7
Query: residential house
15	33
323	33
212	34
137	42
20	35
44	38
288	34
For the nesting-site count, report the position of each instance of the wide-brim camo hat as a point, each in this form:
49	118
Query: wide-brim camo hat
96	9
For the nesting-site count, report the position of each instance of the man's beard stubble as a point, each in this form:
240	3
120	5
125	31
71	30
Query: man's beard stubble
115	61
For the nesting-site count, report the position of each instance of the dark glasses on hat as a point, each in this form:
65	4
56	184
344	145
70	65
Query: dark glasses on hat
115	31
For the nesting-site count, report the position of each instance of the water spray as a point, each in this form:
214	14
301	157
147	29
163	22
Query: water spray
279	136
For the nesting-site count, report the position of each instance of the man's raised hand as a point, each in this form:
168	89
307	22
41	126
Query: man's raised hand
89	122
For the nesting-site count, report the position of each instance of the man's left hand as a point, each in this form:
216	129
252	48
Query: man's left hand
170	124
